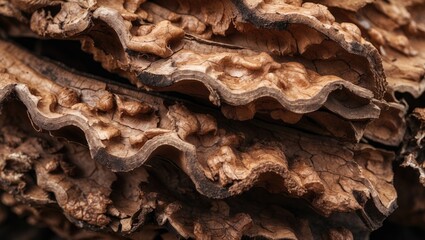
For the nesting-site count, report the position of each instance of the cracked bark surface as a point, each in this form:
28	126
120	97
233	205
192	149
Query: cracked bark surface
396	28
240	118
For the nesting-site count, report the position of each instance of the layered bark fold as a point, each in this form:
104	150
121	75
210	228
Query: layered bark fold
287	62
240	118
219	159
396	28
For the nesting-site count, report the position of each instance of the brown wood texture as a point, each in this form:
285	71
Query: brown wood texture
240	118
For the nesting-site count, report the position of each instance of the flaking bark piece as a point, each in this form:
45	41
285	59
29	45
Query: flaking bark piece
397	29
180	49
222	159
412	149
82	198
390	128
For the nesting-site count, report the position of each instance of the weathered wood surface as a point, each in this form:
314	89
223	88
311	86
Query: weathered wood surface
279	127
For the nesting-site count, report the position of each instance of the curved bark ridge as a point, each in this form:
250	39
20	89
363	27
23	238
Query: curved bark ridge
390	127
251	57
396	29
126	130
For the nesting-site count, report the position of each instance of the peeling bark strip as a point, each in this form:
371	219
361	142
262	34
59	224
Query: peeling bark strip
127	132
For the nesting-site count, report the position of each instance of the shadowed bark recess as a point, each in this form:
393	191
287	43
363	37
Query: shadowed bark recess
236	119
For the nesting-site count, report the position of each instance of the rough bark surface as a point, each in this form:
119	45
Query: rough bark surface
241	118
288	62
221	159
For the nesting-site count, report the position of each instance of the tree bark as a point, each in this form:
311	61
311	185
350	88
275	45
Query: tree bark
242	118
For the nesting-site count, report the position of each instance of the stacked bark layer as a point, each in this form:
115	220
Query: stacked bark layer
275	99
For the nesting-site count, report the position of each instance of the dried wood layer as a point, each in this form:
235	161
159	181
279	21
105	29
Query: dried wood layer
242	118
